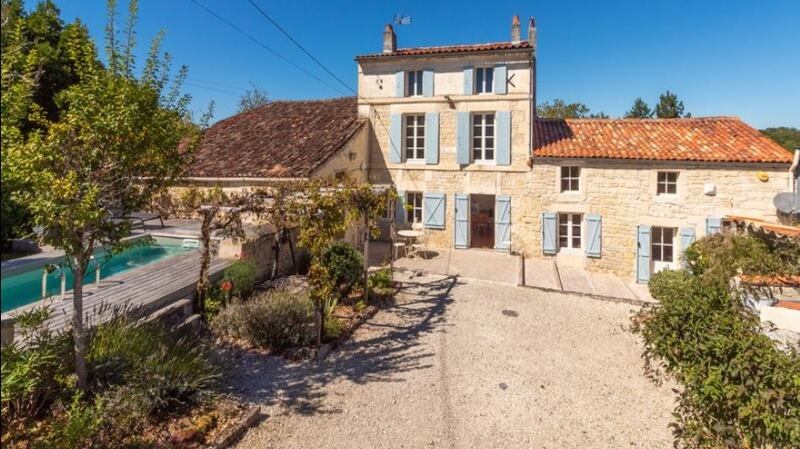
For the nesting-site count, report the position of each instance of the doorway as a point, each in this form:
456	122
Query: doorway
481	220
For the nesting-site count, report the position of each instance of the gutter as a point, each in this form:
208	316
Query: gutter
242	179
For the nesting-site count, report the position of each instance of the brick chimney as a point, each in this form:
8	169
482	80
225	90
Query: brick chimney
532	34
515	32
389	39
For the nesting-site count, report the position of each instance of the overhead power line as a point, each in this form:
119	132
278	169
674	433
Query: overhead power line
265	46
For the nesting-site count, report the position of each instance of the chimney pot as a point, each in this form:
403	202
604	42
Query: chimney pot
389	39
532	34
515	30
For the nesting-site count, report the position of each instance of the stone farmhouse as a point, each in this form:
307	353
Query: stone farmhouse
454	129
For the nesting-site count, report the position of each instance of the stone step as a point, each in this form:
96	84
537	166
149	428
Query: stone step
190	324
172	313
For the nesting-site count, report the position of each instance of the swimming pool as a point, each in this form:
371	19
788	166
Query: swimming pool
24	287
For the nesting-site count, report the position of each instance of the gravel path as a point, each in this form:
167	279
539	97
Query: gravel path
467	364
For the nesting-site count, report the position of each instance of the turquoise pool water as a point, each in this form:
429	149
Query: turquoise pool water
26	287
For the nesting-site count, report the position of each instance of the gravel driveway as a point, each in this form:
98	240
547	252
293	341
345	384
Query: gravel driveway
467	364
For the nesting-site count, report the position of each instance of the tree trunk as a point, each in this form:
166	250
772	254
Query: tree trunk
202	283
366	259
321	314
78	331
277	254
291	250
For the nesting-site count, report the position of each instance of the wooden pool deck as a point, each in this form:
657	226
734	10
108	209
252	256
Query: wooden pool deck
146	289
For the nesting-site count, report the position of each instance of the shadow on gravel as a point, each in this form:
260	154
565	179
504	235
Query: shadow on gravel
390	347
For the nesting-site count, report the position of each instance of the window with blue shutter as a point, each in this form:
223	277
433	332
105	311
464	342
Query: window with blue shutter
503	138
594	235
395	138
432	138
687	238
427	83
468	80
400	84
461	228
400	207
549	232
500	77
462	138
643	254
433	209
713	225
502	223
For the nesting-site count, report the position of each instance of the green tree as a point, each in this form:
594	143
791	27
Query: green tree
37	61
640	109
785	136
115	144
559	108
252	99
669	106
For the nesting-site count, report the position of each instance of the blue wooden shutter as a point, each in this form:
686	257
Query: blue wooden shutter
400	208
503	156
687	238
502	223
713	225
548	232
433	208
400	84
643	254
462	138
594	235
395	138
500	77
432	138
427	83
461	228
468	89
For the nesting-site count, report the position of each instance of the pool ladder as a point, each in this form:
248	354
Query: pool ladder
63	278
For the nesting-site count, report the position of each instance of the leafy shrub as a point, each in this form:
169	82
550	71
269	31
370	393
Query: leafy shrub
739	390
334	327
242	274
143	370
276	319
36	375
344	265
77	426
380	283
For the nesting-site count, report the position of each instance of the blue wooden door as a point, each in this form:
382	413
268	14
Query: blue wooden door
502	223
461	237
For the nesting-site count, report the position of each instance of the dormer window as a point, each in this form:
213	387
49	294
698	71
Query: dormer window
484	80
414	83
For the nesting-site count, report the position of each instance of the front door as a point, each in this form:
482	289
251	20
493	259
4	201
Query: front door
663	248
482	221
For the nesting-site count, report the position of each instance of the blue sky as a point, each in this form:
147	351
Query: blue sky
722	57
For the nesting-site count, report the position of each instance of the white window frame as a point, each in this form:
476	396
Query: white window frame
483	148
659	242
418	136
569	221
483	87
414	83
666	183
414	207
573	177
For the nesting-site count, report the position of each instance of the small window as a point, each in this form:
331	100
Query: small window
570	179
414	83
414	207
483	137
667	183
414	142
484	80
569	231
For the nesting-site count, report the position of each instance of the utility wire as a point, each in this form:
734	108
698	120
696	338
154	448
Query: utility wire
313	58
265	46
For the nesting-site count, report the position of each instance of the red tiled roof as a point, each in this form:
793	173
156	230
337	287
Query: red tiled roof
708	139
282	139
758	223
419	51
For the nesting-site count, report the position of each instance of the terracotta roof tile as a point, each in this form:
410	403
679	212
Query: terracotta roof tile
283	139
419	51
709	139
